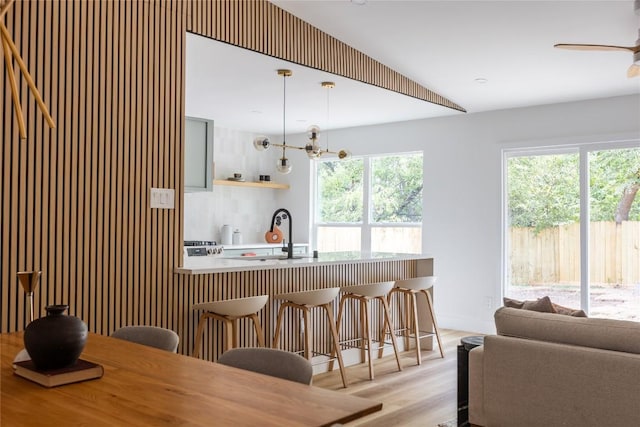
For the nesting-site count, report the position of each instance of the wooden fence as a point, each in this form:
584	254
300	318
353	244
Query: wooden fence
383	239
553	255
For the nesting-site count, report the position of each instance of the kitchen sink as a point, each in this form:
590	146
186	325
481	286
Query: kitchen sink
265	257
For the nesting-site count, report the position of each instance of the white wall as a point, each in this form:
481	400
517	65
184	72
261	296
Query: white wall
246	208
462	192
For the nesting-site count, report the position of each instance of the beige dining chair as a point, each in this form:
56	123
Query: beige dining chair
152	336
269	361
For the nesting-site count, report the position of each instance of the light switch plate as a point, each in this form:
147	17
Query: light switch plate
162	198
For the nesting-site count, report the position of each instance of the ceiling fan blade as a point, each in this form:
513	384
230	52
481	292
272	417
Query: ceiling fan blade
633	71
601	47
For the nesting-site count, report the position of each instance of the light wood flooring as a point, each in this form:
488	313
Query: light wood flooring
423	396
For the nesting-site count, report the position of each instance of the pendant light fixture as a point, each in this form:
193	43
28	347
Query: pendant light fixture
284	166
312	148
261	143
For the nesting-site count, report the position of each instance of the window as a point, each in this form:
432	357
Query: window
573	228
371	203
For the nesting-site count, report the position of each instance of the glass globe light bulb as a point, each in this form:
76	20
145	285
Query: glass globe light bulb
283	166
312	149
312	132
261	143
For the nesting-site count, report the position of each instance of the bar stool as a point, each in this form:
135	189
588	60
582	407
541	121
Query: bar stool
230	311
365	294
410	288
305	301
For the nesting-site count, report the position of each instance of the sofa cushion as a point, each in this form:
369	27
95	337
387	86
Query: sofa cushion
568	311
608	334
543	305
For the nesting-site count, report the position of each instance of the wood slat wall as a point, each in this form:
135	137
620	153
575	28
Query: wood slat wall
263	27
74	201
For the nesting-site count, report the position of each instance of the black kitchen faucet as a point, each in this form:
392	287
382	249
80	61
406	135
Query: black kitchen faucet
285	214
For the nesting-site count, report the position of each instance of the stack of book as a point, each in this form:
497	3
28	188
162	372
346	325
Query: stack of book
83	370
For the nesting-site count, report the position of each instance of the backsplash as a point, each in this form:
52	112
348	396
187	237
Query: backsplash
247	209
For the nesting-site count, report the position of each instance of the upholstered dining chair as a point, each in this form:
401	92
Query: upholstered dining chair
269	361
152	336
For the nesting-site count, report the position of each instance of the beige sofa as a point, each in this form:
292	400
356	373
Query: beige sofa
546	370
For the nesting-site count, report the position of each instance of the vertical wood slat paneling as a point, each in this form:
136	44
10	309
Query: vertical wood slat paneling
5	150
22	153
74	224
112	76
279	32
104	118
73	200
84	161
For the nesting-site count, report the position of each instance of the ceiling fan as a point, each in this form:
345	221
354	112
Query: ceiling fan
634	69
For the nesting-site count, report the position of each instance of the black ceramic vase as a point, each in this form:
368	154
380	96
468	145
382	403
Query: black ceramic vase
55	341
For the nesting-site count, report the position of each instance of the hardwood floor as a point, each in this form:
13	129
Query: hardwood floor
422	395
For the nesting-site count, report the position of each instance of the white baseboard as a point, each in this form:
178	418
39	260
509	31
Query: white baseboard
468	324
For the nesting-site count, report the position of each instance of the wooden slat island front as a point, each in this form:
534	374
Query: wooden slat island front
210	279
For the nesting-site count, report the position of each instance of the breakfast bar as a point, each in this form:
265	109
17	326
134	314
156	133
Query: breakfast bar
212	278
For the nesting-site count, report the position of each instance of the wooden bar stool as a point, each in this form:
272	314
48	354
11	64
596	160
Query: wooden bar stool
365	294
230	311
409	327
305	301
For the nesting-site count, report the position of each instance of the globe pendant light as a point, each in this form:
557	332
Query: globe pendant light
283	165
312	148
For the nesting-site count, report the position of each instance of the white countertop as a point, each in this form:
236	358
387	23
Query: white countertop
221	264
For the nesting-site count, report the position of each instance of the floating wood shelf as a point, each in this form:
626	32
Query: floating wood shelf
263	184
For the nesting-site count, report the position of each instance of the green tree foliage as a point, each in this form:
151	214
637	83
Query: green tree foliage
340	190
544	190
397	189
396	195
611	172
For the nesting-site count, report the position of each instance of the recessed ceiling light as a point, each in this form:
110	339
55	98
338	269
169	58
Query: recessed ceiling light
481	80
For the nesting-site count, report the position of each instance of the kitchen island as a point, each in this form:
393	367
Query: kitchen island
213	278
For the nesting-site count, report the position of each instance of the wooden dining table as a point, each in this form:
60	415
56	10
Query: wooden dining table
144	386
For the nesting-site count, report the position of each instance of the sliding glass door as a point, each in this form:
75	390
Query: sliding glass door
572	228
543	227
614	233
